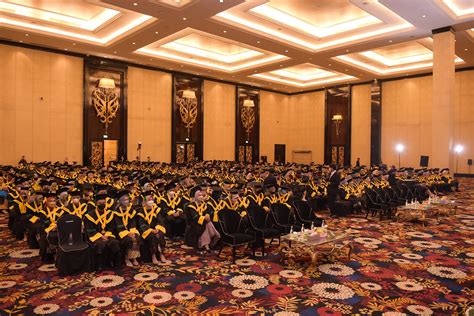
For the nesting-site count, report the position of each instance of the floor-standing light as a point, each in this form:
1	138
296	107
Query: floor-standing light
399	148
458	149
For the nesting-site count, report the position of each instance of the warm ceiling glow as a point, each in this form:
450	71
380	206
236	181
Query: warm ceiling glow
203	63
303	77
452	5
289	20
48	16
306	84
387	71
182	48
89	38
303	43
397	61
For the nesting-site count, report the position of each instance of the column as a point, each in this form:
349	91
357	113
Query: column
442	113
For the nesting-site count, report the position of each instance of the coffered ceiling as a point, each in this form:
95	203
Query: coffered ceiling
284	45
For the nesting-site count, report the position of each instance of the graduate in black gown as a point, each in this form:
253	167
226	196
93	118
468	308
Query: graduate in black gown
151	224
100	227
201	232
126	228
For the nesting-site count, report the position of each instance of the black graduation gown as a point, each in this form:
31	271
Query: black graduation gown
125	223
98	224
175	226
195	214
17	218
149	220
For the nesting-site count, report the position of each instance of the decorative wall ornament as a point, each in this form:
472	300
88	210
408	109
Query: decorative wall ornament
188	109
337	119
105	102
247	116
97	149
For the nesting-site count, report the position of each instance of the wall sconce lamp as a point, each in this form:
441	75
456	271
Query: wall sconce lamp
337	119
105	102
188	111
247	117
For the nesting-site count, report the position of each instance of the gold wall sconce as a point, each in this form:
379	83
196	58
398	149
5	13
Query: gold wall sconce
105	102
247	116
188	109
337	119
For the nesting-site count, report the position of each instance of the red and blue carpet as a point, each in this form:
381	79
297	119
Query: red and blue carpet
396	269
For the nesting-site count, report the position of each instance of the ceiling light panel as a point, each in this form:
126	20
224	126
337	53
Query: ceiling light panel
71	19
293	22
206	50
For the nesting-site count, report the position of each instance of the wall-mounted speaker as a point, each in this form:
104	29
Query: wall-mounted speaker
469	162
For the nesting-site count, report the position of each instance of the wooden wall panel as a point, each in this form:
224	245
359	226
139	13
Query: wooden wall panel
219	121
274	123
149	114
464	119
38	91
307	125
360	127
406	119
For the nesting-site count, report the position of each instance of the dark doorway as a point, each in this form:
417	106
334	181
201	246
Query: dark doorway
280	153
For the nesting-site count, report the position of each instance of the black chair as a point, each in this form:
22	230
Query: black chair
305	214
263	224
235	231
375	205
285	218
73	254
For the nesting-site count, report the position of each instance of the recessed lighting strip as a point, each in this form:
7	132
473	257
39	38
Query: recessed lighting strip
211	55
34	13
308	45
202	63
93	39
380	71
307	84
287	19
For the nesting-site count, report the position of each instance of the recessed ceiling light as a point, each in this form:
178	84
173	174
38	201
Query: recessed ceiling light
281	65
135	4
423	16
65	49
27	34
221	1
329	65
115	52
390	41
133	43
347	50
286	50
21	41
258	42
184	18
225	31
466	49
73	44
156	32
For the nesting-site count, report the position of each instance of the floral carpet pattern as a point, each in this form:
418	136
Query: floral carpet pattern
396	269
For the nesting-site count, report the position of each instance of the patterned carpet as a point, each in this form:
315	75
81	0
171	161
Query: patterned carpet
396	269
